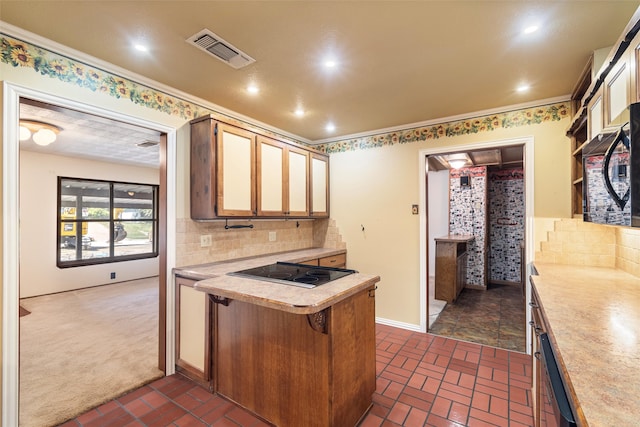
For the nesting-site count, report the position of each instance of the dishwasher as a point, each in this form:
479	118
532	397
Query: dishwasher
555	409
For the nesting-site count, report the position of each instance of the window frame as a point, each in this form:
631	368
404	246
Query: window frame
79	220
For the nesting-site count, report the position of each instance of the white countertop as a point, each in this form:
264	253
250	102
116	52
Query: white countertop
594	316
214	280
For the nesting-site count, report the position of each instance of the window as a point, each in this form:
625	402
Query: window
102	221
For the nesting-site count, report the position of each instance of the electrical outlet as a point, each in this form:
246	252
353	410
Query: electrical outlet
414	209
272	236
113	275
205	240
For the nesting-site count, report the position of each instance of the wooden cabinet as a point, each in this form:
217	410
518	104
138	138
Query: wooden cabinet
451	266
616	91
338	261
319	369
239	173
283	179
595	115
319	186
193	331
236	191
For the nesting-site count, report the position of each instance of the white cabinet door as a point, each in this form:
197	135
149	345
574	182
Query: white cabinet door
192	330
595	116
271	177
298	182
236	171
617	92
319	186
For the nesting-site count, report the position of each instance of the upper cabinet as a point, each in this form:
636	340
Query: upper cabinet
616	90
239	173
236	171
283	179
319	186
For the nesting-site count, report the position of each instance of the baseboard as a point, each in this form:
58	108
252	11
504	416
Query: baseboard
396	324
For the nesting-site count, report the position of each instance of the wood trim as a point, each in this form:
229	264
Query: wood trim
202	170
162	257
306	153
261	140
312	212
186	368
221	211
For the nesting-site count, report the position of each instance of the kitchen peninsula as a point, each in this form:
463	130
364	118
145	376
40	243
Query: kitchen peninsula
292	355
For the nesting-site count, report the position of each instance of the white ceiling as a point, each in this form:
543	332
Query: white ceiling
91	137
399	62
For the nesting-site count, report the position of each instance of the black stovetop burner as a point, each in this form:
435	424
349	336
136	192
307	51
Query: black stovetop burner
287	273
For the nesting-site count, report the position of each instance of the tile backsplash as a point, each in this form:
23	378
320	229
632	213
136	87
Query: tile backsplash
583	243
245	242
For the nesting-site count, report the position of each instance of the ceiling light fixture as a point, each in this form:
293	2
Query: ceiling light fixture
458	160
530	29
40	132
330	127
299	112
457	164
253	89
141	47
523	88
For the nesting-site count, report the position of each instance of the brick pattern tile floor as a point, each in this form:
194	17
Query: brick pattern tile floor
422	380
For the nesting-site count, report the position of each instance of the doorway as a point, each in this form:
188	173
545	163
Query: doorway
11	242
432	209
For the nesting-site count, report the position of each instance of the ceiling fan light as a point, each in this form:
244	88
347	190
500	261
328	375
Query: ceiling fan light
25	133
44	137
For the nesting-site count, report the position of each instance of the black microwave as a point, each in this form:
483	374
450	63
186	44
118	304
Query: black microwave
611	172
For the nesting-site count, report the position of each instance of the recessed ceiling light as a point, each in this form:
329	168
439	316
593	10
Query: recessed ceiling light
330	127
141	47
330	63
523	88
253	89
530	29
299	112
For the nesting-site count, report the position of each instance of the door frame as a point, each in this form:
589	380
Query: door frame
11	239
528	155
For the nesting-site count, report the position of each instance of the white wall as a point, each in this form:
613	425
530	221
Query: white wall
39	274
438	215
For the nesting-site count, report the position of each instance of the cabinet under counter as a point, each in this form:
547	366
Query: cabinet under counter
451	265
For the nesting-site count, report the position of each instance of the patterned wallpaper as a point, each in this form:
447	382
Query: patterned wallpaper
506	224
467	215
18	53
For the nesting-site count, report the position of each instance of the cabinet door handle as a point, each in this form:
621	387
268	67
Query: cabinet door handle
537	355
533	304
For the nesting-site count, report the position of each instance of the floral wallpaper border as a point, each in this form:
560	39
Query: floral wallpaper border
525	117
18	53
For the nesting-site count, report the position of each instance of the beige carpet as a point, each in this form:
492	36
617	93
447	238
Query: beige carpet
82	348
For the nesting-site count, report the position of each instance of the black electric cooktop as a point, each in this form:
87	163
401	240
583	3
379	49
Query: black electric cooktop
286	273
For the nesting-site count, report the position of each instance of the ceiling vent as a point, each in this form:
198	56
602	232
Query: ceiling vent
219	48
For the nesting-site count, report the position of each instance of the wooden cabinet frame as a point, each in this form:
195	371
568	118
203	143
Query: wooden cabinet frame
223	184
319	186
211	178
286	179
205	376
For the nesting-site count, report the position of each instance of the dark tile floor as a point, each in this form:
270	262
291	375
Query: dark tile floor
422	380
494	317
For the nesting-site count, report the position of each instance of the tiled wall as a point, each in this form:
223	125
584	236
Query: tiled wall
580	243
246	242
467	215
628	250
506	224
